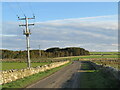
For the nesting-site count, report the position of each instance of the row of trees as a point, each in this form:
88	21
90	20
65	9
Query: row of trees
51	52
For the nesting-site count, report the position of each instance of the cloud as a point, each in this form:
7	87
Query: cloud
91	33
104	22
1	35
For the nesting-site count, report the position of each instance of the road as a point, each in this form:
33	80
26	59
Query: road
67	77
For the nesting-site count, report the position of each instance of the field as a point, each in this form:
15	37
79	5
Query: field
89	56
108	60
100	56
18	64
103	52
8	64
87	79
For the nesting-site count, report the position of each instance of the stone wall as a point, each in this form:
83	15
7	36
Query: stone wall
107	69
12	75
115	72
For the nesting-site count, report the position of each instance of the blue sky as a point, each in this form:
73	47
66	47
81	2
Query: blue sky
59	10
62	24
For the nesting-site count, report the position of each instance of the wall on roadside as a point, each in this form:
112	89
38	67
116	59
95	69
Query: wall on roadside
13	75
107	69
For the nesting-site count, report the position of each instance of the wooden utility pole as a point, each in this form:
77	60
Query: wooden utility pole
27	33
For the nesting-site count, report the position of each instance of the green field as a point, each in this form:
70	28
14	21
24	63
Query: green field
107	60
112	63
92	56
100	59
89	56
103	52
100	56
88	81
17	65
9	64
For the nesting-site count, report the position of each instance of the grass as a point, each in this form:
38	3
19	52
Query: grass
103	52
86	66
105	59
95	57
18	65
21	83
41	59
112	63
92	78
8	65
88	56
99	56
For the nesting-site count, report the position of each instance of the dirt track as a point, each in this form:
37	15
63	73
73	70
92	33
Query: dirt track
67	77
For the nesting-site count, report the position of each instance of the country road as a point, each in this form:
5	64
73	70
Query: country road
67	77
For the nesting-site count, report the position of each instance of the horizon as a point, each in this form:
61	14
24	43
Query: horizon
57	47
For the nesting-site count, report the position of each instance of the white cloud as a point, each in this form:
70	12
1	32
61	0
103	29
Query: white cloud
103	22
91	33
118	45
7	35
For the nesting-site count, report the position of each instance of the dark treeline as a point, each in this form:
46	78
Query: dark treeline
51	52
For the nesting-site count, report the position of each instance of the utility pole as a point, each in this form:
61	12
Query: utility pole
39	51
27	33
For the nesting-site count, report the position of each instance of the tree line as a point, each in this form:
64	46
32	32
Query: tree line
51	52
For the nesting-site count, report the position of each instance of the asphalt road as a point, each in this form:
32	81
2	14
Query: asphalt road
67	77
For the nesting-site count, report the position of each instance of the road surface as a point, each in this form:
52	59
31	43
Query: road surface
67	77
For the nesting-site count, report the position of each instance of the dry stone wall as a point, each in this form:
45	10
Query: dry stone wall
115	72
13	75
107	69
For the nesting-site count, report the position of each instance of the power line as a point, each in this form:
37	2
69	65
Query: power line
20	8
11	8
31	9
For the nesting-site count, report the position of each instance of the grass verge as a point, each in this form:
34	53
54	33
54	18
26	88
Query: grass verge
92	78
24	82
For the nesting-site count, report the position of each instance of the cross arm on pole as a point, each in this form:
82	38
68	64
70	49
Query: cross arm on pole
30	24
32	18
25	24
22	25
21	18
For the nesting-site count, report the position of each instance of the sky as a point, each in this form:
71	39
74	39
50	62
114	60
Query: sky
89	25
